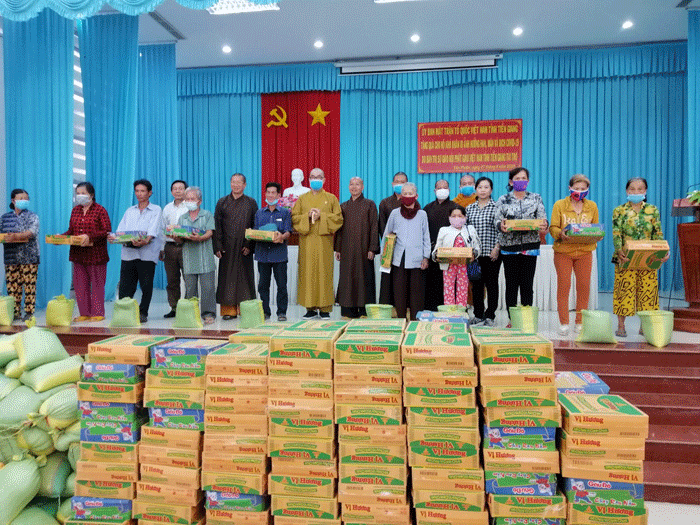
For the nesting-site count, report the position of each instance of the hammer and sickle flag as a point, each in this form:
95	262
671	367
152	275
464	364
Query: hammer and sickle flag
278	120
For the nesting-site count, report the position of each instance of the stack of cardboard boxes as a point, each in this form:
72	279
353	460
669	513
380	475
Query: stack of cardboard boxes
235	466
443	435
302	445
170	454
110	402
602	446
521	415
371	434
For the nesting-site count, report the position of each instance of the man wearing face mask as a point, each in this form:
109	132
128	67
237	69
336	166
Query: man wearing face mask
438	212
272	256
467	194
316	216
386	206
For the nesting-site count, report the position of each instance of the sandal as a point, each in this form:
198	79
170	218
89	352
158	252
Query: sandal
81	319
621	333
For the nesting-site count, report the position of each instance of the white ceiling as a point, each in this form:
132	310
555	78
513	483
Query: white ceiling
362	29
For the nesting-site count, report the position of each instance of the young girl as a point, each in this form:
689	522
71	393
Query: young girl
456	235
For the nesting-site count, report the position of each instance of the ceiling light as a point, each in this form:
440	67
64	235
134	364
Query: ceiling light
627	24
518	31
226	49
415	37
318	44
227	7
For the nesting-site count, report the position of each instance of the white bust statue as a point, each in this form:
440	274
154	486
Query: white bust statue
297	190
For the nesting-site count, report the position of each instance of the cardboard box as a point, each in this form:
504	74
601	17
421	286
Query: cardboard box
602	415
369	395
522	417
414	396
101	411
364	375
644	254
521	350
302	486
501	505
437	349
125	349
109	452
249	464
387	255
234	444
184	353
468	480
112	373
522	225
377	514
518	396
372	453
514	483
290	406
238	359
236	501
159	492
366	492
100	509
314	468
164	512
191	399
179	477
536	461
584	514
240	424
436	326
285	520
260	235
280	447
302	507
169	378
517	375
237	384
369	348
171	437
304	388
580	383
460	377
227	517
104	471
303	426
231	482
176	418
625	471
441	499
172	457
179	230
303	368
127	237
603	492
602	447
583	233
110	393
105	489
300	344
468	458
257	336
369	414
110	431
443	317
454	255
527	521
375	434
451	517
518	438
378	326
73	240
235	403
452	438
374	474
458	417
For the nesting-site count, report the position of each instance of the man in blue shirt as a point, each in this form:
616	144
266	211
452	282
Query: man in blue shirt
272	256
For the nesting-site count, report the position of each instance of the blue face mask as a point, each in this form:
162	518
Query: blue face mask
315	184
636	198
272	203
22	205
397	188
466	190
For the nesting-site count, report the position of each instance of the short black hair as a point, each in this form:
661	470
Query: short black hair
239	175
512	173
275	185
88	187
482	179
461	209
143	182
14	194
176	181
399	173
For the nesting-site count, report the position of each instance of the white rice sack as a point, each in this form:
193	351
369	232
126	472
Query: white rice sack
7	385
54	474
16	407
20	483
53	374
63	439
8	348
34	516
9	448
38	346
7	310
61	409
37	441
14	369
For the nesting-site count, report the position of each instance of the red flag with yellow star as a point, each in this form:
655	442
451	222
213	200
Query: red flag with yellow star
301	130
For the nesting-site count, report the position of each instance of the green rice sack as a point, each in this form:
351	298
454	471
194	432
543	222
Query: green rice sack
54	474
525	318
48	505
8	348
53	374
187	314
7	310
9	448
59	311
657	326
125	313
65	511
7	385
61	409
63	439
69	489
252	314
74	454
37	441
596	327
38	346
34	516
13	369
20	483
16	406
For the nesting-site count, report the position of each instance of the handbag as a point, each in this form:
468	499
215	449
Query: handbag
474	270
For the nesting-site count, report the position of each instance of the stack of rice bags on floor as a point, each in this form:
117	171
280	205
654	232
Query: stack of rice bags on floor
443	435
235	466
602	447
373	477
38	424
302	442
170	455
521	416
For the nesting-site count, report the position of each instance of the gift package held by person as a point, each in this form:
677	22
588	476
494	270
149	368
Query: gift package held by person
172	230
127	237
454	255
644	254
73	240
261	235
516	225
387	255
583	233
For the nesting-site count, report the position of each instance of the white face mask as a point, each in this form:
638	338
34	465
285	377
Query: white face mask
191	205
82	199
442	193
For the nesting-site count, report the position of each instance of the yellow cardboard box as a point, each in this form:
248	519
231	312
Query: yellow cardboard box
105	489
592	446
644	254
521	350
420	377
239	517
289	406
185	478
439	396
369	414
586	514
285	520
366	492
443	457
240	424
469	480
157	492
437	349
104	471
454	438
460	417
535	461
250	464
159	512
190	399
300	387
254	336
293	344
171	437
175	378
515	225
315	468
236	483
238	359
603	415
522	417
376	514
386	454
441	499
450	517
368	395
235	403
294	447
527	506
367	375
302	486
377	326
518	396
125	349
110	392
306	368
376	434
456	255
173	457
234	443
625	471
237	383
302	507
260	235
369	348
387	255
303	425
376	474
109	452
517	375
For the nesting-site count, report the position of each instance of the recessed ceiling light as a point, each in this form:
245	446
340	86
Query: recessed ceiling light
415	37
627	24
226	49
518	31
318	44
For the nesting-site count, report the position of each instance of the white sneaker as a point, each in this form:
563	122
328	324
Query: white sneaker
563	329
577	328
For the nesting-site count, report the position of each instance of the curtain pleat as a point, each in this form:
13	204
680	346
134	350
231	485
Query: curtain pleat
109	63
694	97
38	62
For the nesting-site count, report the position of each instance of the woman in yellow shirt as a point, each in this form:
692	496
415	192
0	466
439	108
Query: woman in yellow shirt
574	209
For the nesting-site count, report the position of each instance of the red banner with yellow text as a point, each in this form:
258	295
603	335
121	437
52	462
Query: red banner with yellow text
476	146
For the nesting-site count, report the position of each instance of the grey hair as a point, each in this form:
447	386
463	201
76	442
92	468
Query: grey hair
316	171
357	178
410	186
195	190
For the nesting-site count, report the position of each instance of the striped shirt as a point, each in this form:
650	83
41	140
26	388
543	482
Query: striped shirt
483	221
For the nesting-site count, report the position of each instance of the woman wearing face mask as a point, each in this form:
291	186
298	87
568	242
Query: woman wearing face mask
21	227
91	223
519	249
634	290
574	209
411	252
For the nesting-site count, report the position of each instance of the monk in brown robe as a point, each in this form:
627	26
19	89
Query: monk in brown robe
386	206
232	215
356	244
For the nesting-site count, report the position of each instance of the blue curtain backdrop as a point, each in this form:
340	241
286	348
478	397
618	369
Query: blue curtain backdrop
109	63
609	113
157	157
38	61
693	98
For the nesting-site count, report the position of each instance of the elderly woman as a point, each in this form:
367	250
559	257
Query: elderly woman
198	254
519	249
574	209
411	252
91	223
634	290
21	227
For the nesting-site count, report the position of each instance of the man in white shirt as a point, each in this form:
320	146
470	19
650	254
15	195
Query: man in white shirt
139	258
172	252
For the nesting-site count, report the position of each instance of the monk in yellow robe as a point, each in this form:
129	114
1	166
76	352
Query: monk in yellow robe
316	216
